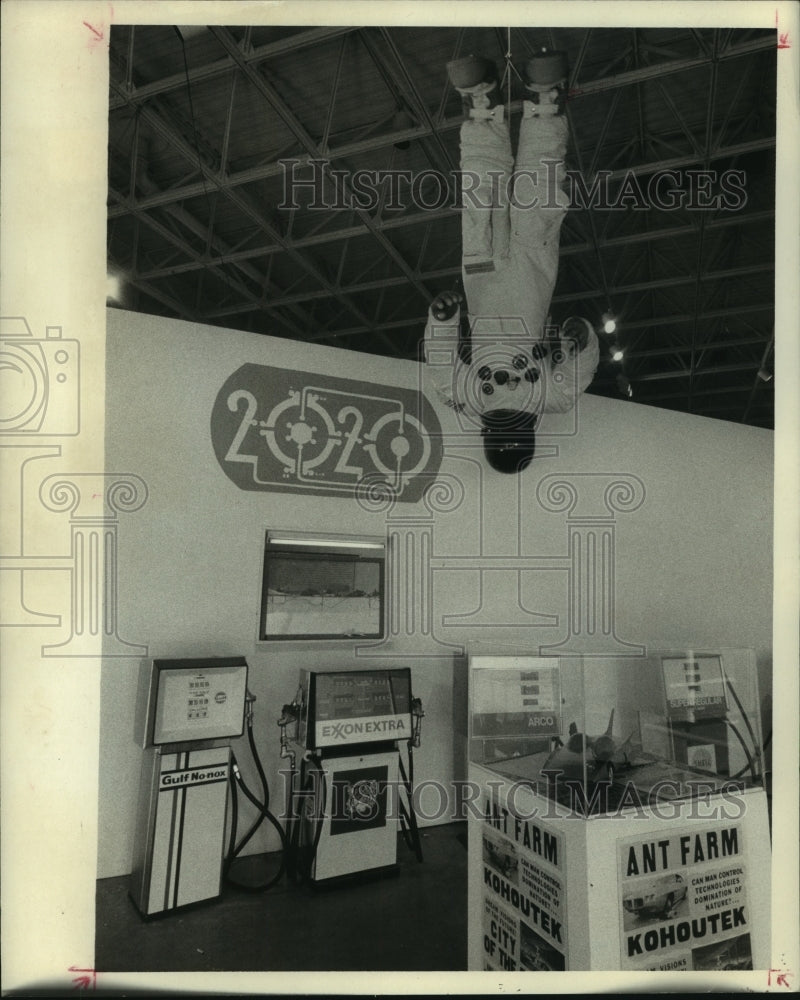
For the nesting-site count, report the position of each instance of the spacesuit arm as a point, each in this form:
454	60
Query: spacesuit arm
569	377
441	360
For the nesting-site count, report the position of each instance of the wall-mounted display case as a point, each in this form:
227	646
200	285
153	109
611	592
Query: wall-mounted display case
322	586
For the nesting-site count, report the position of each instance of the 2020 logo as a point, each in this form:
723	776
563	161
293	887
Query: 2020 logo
290	431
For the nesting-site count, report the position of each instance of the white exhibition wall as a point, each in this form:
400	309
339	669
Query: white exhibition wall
690	529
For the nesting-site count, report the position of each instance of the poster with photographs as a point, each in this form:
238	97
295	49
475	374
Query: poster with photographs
683	902
524	908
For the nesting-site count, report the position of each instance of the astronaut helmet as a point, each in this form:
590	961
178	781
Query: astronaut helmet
509	441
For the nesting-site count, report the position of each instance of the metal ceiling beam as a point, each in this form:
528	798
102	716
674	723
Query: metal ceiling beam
575	69
402	103
200	261
313	36
238	198
166	234
758	381
679	118
447	273
710	104
123	97
744	78
266	171
129	60
715	370
715	345
330	237
173	305
437	215
595	240
419	107
660	70
701	42
224	37
198	74
718	390
334	91
334	336
735	312
140	178
188	221
679	162
177	241
637	61
729	273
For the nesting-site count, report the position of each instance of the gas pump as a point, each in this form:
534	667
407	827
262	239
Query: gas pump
189	711
352	788
704	710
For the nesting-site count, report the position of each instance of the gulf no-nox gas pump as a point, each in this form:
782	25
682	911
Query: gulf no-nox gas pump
352	788
189	710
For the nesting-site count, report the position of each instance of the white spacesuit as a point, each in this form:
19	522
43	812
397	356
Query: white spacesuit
513	361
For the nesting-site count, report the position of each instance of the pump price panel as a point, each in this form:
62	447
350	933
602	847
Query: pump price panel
200	699
355	706
515	697
695	687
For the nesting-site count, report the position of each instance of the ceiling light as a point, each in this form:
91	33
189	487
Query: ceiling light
609	323
113	287
617	354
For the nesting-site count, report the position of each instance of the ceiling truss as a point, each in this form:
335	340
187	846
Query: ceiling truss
201	134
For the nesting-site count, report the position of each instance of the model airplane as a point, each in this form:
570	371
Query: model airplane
607	766
600	773
593	759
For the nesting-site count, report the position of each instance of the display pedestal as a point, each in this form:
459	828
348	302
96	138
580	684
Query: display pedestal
681	885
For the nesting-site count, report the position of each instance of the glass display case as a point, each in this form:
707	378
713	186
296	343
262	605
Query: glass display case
598	734
618	816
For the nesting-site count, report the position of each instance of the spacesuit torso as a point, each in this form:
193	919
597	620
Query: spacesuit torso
507	368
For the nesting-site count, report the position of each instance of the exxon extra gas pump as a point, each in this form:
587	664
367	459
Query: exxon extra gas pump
352	788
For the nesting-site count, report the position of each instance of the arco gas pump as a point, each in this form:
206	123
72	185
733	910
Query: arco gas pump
351	791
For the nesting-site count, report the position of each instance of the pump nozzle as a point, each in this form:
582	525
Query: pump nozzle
290	715
416	721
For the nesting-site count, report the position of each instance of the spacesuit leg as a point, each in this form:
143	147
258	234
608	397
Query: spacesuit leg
538	205
486	166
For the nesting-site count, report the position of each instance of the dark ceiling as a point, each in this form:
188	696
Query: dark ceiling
204	224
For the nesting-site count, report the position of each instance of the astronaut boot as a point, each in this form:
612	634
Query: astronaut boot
546	83
475	78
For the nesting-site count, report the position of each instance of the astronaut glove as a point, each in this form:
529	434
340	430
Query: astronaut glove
446	305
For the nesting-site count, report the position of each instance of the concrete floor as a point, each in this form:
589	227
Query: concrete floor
414	921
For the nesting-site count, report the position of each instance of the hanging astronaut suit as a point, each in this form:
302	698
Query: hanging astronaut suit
512	366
